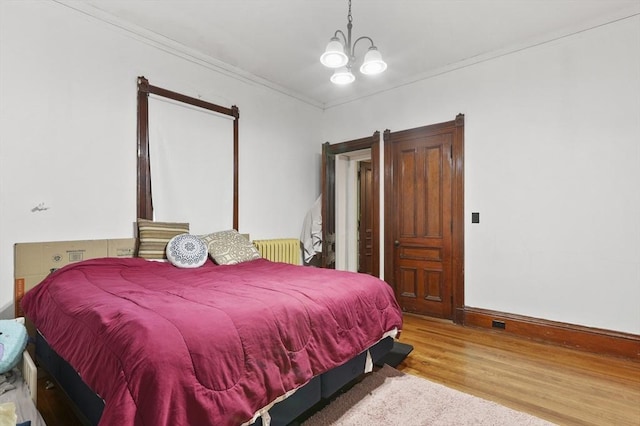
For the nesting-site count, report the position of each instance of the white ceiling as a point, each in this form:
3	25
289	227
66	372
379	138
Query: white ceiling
278	42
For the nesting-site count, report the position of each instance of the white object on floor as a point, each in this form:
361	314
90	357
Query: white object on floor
21	398
8	415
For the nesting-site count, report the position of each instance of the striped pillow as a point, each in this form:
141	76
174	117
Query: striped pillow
153	237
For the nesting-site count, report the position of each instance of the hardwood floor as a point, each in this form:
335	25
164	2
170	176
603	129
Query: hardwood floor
560	385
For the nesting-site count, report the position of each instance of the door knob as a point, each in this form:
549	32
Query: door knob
396	243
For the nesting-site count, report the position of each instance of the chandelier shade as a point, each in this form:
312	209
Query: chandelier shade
334	56
340	54
342	76
373	63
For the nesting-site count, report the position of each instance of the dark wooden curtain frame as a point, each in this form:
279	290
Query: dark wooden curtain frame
145	201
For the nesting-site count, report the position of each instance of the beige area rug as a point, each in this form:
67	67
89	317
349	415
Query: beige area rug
389	397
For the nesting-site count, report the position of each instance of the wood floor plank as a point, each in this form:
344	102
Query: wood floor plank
562	385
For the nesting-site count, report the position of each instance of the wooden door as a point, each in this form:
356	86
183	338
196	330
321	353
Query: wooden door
366	218
419	218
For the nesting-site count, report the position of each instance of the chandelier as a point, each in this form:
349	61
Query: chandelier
340	55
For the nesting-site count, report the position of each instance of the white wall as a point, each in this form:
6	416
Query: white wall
552	163
552	158
68	132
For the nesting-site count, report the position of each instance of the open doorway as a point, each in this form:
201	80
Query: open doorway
341	203
350	209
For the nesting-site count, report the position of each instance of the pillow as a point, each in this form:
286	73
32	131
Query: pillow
153	237
186	251
230	247
13	340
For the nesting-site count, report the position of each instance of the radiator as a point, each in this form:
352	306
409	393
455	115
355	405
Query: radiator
285	250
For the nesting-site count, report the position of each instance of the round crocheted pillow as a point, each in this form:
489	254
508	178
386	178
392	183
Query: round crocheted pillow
187	251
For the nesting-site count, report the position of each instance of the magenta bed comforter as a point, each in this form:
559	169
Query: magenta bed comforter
212	345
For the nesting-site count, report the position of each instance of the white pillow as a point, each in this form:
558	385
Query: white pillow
187	251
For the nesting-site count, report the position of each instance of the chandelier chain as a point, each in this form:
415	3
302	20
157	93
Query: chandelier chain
349	15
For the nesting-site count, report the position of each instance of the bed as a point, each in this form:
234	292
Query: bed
218	344
233	341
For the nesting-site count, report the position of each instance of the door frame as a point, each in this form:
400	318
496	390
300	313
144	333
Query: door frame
457	208
329	152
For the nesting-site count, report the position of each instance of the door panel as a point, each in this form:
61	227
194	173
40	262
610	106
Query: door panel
434	286
408	283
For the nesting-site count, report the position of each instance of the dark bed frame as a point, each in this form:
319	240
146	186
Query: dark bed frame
88	406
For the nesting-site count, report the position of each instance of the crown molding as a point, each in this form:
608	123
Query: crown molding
173	47
623	14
